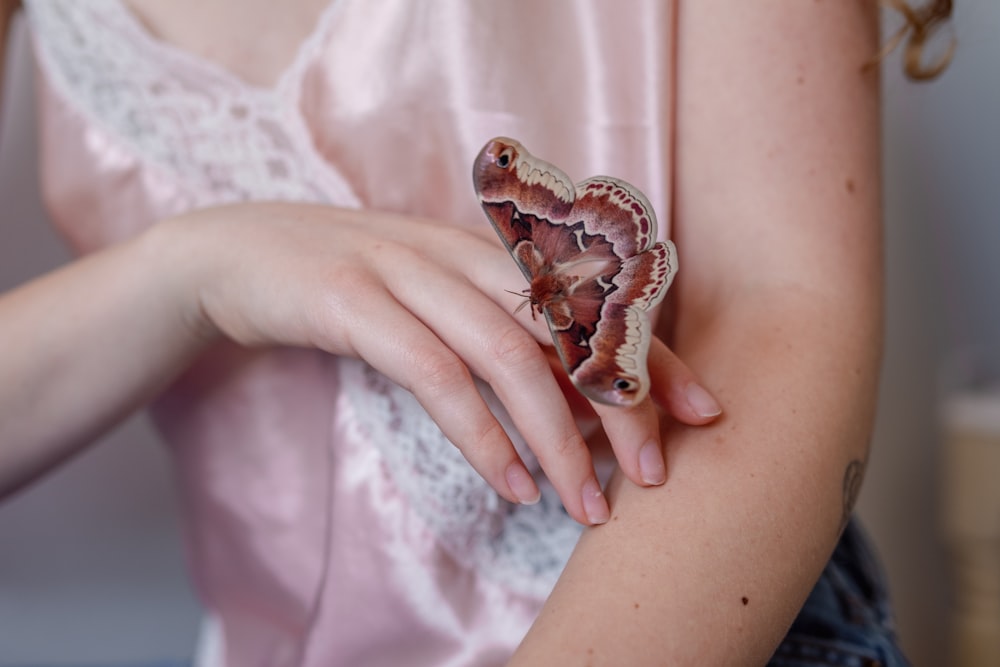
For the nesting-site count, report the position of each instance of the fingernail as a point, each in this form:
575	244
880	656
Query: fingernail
702	402
522	485
651	466
594	503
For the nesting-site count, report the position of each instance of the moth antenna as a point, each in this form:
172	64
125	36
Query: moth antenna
526	295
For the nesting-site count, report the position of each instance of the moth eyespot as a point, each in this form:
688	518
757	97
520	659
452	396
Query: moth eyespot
505	158
621	384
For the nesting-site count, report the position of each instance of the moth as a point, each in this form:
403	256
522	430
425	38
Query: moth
590	255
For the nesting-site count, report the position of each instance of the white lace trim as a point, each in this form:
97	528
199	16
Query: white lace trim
524	548
222	138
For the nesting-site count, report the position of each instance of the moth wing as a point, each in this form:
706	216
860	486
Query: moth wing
644	279
610	365
518	193
602	329
516	232
618	211
573	322
601	232
603	333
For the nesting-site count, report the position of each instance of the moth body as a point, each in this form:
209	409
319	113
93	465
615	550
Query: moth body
547	289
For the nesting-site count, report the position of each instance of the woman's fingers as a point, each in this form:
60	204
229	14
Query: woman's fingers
407	352
499	350
634	433
677	388
481	259
475	320
429	306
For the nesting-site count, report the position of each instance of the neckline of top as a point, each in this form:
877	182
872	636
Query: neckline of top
287	81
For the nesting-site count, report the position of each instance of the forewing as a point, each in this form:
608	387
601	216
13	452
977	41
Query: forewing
518	192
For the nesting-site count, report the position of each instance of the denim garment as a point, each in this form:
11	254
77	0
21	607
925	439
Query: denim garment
847	620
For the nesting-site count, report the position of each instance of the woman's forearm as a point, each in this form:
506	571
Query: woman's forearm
85	345
711	568
82	347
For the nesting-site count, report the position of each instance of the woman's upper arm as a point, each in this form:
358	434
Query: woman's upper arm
778	172
777	309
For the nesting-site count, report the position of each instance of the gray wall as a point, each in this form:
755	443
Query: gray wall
90	564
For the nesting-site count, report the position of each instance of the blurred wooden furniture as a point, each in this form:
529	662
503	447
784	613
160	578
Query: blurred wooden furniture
971	523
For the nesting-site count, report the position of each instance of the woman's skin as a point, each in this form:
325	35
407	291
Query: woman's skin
777	309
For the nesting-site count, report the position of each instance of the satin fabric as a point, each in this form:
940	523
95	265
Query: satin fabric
313	491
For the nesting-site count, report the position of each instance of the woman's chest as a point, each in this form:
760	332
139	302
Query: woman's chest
256	40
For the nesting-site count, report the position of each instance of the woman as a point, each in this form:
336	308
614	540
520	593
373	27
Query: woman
329	521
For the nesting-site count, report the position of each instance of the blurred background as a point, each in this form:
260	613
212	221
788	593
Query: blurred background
91	566
942	214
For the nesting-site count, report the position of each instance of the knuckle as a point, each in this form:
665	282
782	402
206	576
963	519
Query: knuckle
515	350
390	255
570	445
483	439
327	315
350	286
561	457
437	373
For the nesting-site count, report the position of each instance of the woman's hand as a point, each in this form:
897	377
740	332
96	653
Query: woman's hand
427	306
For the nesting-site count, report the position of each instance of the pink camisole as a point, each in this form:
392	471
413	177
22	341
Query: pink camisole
328	520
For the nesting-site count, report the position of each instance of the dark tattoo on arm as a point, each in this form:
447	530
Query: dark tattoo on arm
853	475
